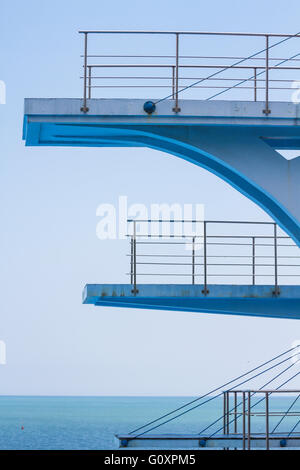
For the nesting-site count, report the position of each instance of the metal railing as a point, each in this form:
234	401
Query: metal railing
258	64
239	404
212	254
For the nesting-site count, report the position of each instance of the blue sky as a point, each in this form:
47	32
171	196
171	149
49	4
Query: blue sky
49	196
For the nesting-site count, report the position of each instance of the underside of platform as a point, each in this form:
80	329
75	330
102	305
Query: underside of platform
225	299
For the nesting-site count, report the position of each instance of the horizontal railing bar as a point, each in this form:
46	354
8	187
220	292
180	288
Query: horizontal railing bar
165	274
263	413
211	87
126	56
246	222
213	256
215	244
216	264
208	236
218	275
250	79
266	390
192	66
286	265
188	33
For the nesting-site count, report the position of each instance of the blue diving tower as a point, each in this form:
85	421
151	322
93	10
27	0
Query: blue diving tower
235	116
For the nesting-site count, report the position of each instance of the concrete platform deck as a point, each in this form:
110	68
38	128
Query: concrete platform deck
219	441
123	111
250	300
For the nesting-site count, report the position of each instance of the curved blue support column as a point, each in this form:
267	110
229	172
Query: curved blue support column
223	170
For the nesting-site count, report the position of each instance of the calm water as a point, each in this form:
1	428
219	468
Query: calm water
91	422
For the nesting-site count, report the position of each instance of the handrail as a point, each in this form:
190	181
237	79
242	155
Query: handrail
207	260
175	78
247	413
209	33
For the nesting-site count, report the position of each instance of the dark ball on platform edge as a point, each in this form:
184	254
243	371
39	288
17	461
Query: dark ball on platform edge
149	107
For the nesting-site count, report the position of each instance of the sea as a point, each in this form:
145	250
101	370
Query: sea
88	423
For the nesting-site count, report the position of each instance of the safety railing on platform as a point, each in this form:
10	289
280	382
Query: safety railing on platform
240	404
211	252
186	67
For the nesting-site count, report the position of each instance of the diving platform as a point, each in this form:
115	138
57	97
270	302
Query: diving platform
232	268
250	300
245	425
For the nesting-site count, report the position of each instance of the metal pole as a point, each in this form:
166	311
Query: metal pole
176	109
134	291
205	291
173	82
255	84
227	415
275	261
267	422
244	420
249	421
90	82
235	412
253	261
134	258
131	260
84	108
267	111
193	260
224	412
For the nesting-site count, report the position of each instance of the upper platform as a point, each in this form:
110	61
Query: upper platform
47	121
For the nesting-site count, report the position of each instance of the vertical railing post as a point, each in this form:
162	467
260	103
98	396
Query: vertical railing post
90	82
244	420
224	412
193	260
173	82
235	412
131	260
134	290
176	108
84	108
267	111
205	290
253	261
276	292
267	422
249	420
255	84
227	414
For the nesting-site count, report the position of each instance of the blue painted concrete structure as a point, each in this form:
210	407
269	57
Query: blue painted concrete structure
234	140
226	299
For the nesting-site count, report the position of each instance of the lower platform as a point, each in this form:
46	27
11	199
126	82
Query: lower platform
219	441
258	300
